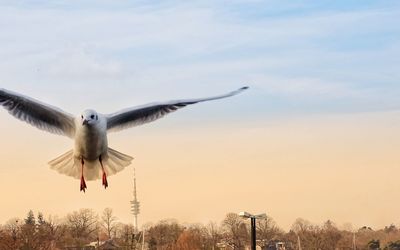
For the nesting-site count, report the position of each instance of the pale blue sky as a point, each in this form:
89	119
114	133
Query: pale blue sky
298	56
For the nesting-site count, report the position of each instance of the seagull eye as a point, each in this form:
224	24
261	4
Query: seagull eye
82	116
92	116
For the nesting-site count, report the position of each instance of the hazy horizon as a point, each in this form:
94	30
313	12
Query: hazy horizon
340	170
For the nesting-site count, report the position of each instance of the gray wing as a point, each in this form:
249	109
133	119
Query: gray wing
37	114
147	113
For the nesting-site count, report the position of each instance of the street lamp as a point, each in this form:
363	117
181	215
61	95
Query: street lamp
253	225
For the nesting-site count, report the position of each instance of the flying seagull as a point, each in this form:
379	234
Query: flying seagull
91	158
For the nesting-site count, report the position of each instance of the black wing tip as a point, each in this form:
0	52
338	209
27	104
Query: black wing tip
244	88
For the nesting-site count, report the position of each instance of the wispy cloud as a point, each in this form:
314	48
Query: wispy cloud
295	52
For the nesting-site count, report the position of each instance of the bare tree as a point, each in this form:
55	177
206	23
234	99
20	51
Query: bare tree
267	230
11	234
213	234
235	231
308	234
108	221
330	235
312	236
163	235
191	239
301	225
82	225
50	231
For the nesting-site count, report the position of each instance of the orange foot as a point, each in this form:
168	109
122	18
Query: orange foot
83	184
105	183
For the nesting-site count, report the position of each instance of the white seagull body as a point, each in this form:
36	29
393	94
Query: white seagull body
91	157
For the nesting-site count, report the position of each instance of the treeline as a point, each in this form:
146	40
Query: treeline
84	227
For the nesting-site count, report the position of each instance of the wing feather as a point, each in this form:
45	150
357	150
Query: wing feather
147	113
40	115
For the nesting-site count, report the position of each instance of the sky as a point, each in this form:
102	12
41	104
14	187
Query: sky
315	136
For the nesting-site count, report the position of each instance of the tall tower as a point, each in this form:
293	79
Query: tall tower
298	243
135	204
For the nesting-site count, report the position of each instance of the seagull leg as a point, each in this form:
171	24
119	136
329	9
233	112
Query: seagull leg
105	183
83	183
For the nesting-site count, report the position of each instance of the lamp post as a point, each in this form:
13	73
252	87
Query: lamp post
253	225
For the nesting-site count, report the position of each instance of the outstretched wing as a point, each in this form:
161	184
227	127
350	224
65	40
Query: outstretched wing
37	114
147	113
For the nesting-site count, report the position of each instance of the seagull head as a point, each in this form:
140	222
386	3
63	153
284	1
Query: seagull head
89	117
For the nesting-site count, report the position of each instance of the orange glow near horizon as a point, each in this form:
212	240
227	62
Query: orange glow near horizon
338	167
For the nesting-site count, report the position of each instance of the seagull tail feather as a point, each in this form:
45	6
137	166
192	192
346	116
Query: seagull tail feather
116	161
113	162
66	164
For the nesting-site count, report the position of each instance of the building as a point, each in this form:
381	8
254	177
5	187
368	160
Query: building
275	245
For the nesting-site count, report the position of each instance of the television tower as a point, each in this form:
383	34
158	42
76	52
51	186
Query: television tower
298	243
135	204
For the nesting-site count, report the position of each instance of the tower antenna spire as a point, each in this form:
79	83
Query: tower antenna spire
135	204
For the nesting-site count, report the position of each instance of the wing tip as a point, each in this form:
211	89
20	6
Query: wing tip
244	88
